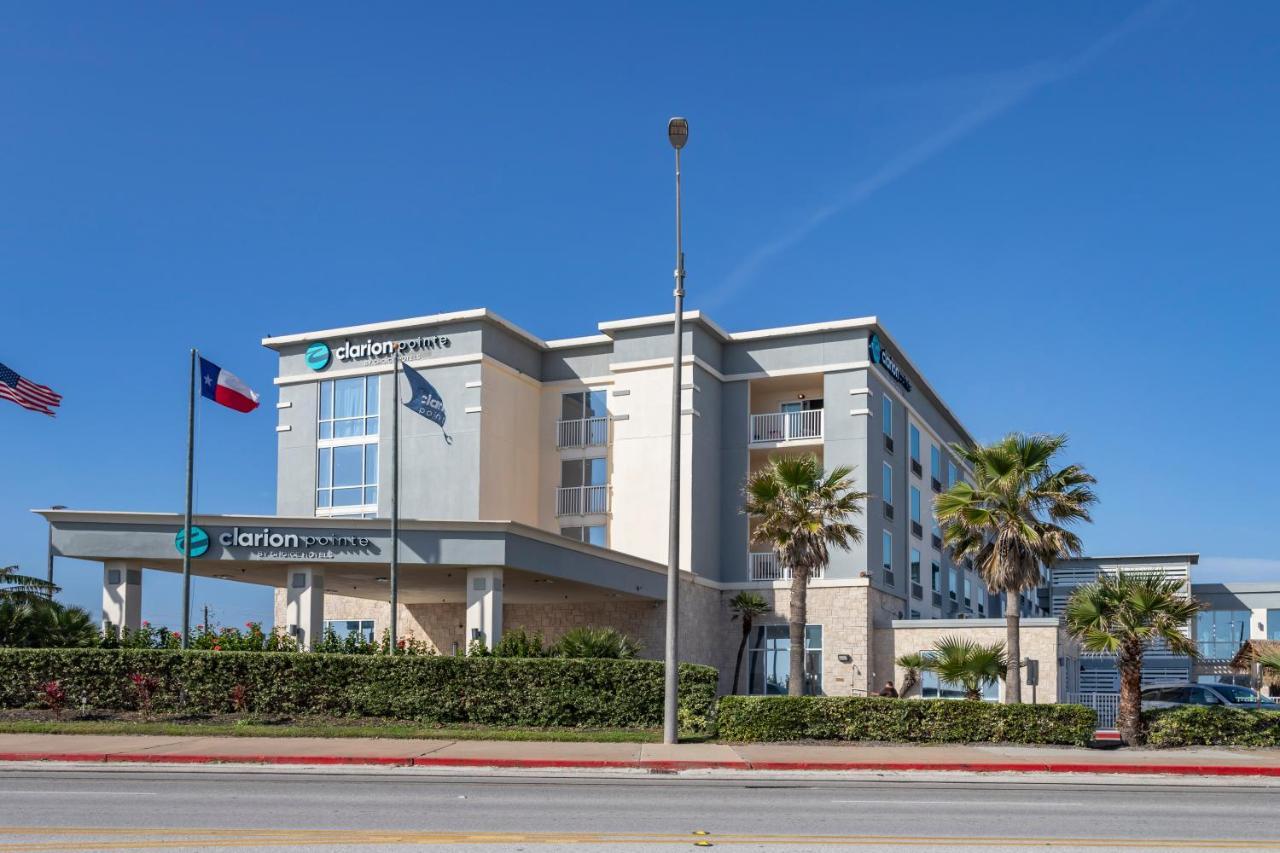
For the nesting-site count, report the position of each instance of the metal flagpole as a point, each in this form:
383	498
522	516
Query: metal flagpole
677	133
394	577
186	524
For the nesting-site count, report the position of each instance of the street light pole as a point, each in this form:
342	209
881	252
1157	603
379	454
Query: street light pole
678	135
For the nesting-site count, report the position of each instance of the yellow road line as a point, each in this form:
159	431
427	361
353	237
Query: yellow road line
118	838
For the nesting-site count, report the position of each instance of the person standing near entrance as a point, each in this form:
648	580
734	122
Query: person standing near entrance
889	691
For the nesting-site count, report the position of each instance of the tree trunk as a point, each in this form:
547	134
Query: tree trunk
742	645
1013	646
795	623
909	681
1129	715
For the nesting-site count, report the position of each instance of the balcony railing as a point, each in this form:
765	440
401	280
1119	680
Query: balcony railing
582	500
765	566
582	432
786	426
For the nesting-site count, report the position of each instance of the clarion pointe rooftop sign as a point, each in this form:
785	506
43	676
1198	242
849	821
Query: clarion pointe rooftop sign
319	355
881	356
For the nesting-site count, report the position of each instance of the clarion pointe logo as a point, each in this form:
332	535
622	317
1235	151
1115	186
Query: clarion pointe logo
199	541
318	355
881	356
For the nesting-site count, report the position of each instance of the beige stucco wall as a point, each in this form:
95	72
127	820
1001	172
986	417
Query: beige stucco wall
1043	642
509	446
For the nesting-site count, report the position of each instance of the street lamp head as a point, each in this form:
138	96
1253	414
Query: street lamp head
678	132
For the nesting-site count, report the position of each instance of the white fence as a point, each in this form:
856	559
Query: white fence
1105	705
786	426
582	500
583	432
765	566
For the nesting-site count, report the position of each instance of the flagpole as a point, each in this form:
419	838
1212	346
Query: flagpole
395	499
186	525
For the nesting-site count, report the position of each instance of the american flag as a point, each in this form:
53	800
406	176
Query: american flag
28	395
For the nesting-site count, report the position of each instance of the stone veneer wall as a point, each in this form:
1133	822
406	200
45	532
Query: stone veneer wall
1045	643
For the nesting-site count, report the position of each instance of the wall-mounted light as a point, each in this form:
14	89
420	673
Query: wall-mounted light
845	658
799	396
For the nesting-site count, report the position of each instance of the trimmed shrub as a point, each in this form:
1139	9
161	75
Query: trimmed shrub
426	688
1193	725
871	718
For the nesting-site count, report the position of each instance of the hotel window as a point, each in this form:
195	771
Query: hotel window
917	591
886	555
968	593
1221	633
951	474
584	420
917	528
348	407
935	579
769	669
886	411
344	628
913	446
1273	624
347	448
584	486
935	468
886	488
593	534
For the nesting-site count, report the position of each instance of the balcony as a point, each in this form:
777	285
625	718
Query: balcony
765	566
582	500
582	432
786	426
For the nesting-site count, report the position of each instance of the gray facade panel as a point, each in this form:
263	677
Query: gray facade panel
798	351
845	443
577	363
735	458
706	492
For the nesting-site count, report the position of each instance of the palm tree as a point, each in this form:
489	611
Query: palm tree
968	663
914	664
802	513
23	589
1010	521
64	627
596	643
1123	614
746	606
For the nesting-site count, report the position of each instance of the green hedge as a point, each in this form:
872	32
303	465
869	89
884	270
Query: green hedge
858	718
1199	726
433	689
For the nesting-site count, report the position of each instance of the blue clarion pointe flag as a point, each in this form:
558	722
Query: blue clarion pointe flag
425	400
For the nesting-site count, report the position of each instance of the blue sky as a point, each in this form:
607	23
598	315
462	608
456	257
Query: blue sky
1065	214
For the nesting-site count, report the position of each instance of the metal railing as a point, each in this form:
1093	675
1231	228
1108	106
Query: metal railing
786	426
582	432
1105	705
765	566
582	500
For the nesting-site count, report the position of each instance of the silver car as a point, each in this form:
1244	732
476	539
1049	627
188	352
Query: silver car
1214	695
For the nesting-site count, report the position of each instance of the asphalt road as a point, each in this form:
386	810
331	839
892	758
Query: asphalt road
69	807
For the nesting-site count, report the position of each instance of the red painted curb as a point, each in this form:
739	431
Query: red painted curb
656	765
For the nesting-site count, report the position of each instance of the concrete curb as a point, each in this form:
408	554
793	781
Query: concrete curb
659	766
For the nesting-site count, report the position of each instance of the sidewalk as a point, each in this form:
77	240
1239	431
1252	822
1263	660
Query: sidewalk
655	757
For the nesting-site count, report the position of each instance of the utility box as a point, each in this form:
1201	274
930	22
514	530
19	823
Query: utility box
1032	669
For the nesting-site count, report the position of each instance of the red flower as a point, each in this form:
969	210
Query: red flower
146	624
217	648
400	644
248	624
177	636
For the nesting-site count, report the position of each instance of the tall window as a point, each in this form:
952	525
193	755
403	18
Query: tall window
915	505
583	419
583	486
1221	633
1273	624
915	568
584	472
952	475
347	447
935	462
913	442
886	412
886	484
935	579
578	405
769	671
886	557
968	592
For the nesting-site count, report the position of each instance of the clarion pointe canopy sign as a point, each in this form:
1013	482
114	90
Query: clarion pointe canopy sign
882	357
268	544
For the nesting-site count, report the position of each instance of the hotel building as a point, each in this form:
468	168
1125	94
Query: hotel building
542	503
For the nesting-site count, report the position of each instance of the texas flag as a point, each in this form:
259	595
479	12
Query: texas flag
224	387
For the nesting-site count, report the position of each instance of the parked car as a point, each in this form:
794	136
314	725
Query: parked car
1220	695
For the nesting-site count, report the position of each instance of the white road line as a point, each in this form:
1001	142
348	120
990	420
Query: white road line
81	793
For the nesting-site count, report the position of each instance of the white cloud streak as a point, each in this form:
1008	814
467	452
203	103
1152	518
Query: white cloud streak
1018	85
